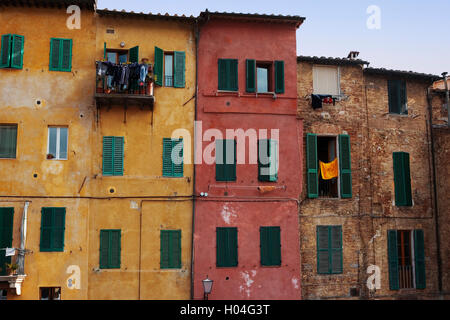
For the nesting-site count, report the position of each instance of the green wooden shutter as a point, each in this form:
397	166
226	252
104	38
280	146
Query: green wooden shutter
5	52
58	230
170	249
335	242
312	165
114	249
323	250
220	162
118	156
230	168
222	73
55	45
233	74
177	169
159	63
134	54
228	74
179	69
104	249
263	144
271	146
403	98
6	236
394	96
270	244
46	229
402	179
164	249
226	246
419	259
108	149
225	171
104	50
345	168
250	75
393	260
17	51
170	169
8	141
279	76
66	55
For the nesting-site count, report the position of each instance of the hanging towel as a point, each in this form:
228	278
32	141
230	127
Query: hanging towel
10	252
329	170
264	189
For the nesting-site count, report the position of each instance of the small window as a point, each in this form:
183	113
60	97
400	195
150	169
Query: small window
228	74
113	152
50	293
329	249
168	69
117	56
60	55
226	160
327	153
326	80
263	77
8	141
57	143
402	179
110	247
172	158
170	249
397	97
270	242
227	247
53	222
11	52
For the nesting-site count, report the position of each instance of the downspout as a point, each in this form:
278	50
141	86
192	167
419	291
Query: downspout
23	239
436	208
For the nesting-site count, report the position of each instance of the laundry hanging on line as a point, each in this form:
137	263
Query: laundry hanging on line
329	170
318	99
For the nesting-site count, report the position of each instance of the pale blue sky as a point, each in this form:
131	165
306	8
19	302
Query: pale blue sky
414	34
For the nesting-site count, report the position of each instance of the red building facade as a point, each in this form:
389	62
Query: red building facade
246	231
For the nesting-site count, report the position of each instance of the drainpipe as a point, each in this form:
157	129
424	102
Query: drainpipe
444	75
23	238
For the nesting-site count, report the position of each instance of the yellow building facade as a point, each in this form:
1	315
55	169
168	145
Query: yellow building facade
141	204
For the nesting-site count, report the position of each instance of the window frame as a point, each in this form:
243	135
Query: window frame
338	78
171	263
269	65
338	155
269	229
118	52
172	54
16	126
228	89
61	55
53	227
330	250
58	143
223	264
52	291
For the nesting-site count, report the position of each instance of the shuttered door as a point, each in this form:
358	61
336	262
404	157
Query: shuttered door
393	260
17	51
6	233
345	166
8	141
158	71
5	51
323	252
279	76
419	259
312	165
170	249
250	75
226	245
270	244
179	69
134	54
402	179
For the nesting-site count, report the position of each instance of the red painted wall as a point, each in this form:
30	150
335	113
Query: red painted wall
240	204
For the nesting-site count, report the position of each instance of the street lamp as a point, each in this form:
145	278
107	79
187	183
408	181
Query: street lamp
207	287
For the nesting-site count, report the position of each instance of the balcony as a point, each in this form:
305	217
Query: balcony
14	281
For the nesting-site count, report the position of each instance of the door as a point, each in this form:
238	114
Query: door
6	231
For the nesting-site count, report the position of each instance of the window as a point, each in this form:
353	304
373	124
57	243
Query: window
172	157
110	244
260	75
227	247
170	68
326	80
397	97
8	141
57	143
52	229
267	160
329	249
53	293
11	52
225	160
322	152
113	149
263	78
228	74
170	249
6	233
402	179
270	243
60	54
117	56
406	257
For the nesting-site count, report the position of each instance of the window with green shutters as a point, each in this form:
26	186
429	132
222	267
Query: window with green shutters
11	51
270	243
170	249
312	165
397	97
250	81
176	69
113	153
226	247
8	141
110	246
6	236
279	76
134	54
268	160
226	160
172	158
228	74
60	54
52	229
329	250
179	69
402	179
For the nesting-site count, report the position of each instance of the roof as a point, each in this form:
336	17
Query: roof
297	20
402	74
132	14
90	4
331	61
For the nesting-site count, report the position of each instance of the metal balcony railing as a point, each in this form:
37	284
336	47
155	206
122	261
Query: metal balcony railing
406	279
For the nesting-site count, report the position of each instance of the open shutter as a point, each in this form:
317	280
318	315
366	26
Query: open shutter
66	55
403	98
159	63
118	156
55	47
419	259
345	166
108	149
402	179
179	69
115	246
394	96
336	249
312	165
323	252
104	249
167	157
17	51
134	54
393	260
177	169
5	52
6	233
279	76
59	220
46	229
263	147
250	75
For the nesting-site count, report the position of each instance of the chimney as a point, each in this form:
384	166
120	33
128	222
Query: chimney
353	55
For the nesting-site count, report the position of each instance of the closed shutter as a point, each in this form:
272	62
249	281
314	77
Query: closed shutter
46	229
170	249
250	75
104	249
118	156
59	219
402	179
403	98
329	249
159	58
393	260
228	74
17	51
134	54
54	54
170	168
167	157
226	246
108	147
419	259
179	69
345	166
66	55
279	76
323	252
268	171
8	141
270	243
222	72
177	169
5	51
110	249
225	160
336	249
6	234
233	72
312	165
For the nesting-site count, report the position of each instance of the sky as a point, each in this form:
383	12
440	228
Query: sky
411	35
